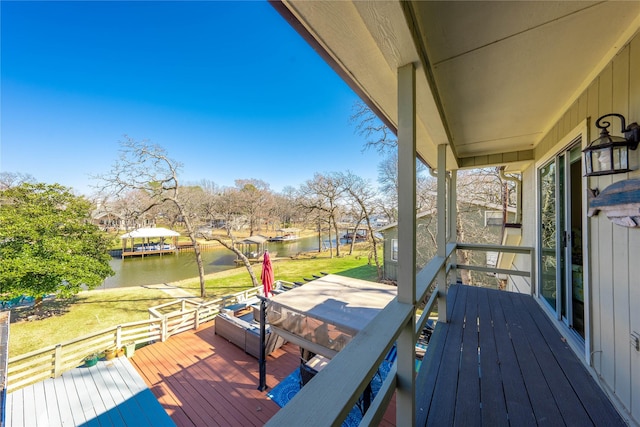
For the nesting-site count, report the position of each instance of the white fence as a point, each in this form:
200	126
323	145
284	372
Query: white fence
165	320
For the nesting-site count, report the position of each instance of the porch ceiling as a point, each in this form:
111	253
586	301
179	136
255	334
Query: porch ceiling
492	77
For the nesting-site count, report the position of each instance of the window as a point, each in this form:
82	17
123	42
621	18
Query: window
492	218
394	249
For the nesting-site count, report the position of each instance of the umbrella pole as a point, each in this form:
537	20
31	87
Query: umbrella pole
262	360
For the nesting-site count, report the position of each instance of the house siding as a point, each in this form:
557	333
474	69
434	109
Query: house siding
523	263
390	265
614	284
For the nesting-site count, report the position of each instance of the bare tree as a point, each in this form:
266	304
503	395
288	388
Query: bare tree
131	208
14	179
322	195
254	199
368	125
226	205
143	166
365	197
475	188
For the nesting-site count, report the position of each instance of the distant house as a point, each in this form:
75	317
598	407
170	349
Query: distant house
106	220
109	220
481	223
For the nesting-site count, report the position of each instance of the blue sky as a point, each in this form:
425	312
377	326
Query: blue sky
227	88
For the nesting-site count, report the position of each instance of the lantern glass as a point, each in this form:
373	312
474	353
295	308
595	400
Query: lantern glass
620	158
601	159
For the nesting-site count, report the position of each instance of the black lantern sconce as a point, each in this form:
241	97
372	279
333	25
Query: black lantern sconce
610	154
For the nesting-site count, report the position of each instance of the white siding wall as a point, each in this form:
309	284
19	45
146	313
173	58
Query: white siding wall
523	263
615	251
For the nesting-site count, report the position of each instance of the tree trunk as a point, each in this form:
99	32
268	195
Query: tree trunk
335	228
465	275
330	242
375	248
240	255
196	249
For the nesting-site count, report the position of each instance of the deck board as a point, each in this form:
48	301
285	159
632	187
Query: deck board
105	391
542	401
568	403
518	406
491	389
84	404
107	394
524	372
467	410
442	413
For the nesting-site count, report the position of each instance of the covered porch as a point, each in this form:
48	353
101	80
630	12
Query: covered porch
504	85
494	358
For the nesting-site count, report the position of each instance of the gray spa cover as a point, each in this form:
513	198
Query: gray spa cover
325	314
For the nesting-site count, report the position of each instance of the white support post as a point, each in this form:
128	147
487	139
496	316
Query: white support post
441	239
452	216
57	361
163	336
118	337
405	400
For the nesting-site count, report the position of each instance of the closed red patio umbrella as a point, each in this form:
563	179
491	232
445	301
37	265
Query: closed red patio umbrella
267	276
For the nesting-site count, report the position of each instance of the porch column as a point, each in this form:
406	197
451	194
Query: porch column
405	399
441	239
452	216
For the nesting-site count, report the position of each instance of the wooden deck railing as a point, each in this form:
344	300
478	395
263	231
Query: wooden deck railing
165	320
353	369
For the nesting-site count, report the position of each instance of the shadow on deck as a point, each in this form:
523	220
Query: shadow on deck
500	361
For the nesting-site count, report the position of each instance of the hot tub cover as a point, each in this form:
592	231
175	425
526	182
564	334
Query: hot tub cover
326	313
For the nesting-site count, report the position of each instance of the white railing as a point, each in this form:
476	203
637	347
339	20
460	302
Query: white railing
165	320
352	368
53	360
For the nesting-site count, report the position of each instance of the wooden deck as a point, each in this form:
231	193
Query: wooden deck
500	361
108	394
202	379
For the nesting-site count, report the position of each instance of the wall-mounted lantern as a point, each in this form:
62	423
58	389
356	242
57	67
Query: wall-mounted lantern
610	154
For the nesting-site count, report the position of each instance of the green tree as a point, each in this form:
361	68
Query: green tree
47	243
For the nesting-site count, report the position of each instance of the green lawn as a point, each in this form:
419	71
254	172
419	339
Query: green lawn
101	309
87	312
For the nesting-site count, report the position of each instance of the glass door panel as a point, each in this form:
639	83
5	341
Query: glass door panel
548	213
574	249
561	264
561	233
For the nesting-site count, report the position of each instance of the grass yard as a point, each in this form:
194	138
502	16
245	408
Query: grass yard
88	312
101	309
290	270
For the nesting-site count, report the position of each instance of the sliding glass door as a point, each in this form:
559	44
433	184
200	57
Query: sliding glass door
560	236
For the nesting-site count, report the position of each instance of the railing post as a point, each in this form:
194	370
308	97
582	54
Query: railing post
163	336
118	337
57	361
532	272
262	359
183	305
405	401
452	216
442	234
196	322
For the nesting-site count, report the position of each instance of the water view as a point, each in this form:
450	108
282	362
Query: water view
136	271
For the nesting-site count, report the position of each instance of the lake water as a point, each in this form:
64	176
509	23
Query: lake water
136	271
